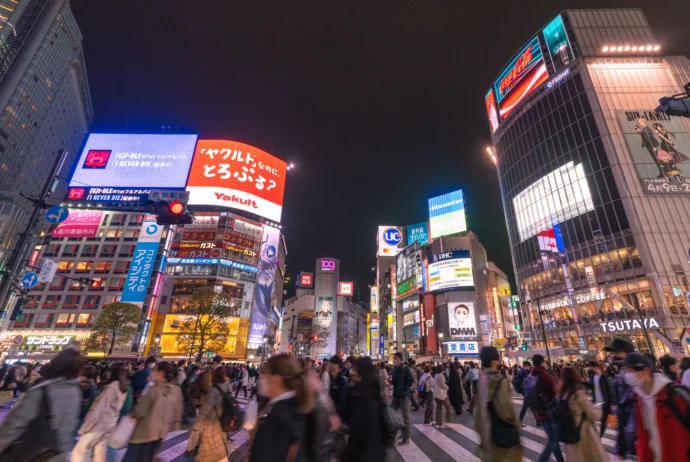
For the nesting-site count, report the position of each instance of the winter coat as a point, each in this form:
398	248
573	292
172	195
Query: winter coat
105	410
589	448
402	381
64	397
366	433
440	387
139	379
213	445
157	412
455	389
503	405
674	438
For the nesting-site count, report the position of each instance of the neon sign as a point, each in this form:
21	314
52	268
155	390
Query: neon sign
327	265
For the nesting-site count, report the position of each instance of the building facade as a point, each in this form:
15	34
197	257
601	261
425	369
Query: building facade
595	184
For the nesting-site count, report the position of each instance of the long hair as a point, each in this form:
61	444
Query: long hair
571	381
368	384
166	368
118	373
294	379
219	376
67	364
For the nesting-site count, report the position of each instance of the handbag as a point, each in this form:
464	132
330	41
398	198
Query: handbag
39	441
120	437
503	434
393	420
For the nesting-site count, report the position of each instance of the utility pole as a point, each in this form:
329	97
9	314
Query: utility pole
543	333
21	248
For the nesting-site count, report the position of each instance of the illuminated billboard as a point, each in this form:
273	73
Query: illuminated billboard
462	320
520	77
239	176
346	289
124	167
265	284
374	299
450	270
492	112
390	241
80	223
555	198
659	145
418	233
557	43
305	280
447	214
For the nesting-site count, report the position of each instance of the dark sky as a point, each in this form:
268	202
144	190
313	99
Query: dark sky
378	103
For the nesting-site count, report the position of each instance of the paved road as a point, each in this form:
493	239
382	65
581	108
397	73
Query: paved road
458	442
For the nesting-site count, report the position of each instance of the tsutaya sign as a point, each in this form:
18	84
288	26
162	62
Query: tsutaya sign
629	324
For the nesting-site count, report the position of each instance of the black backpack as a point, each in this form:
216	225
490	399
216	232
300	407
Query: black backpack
533	386
559	413
684	394
231	419
517	381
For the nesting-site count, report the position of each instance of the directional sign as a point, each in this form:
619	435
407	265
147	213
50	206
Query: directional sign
47	270
29	280
57	214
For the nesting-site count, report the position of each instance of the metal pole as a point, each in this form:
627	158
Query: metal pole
20	249
636	302
543	333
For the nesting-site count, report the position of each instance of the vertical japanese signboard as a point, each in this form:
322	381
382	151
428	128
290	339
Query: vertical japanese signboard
265	283
142	264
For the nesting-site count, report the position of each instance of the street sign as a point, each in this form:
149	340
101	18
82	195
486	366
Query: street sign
18	339
29	280
57	214
48	270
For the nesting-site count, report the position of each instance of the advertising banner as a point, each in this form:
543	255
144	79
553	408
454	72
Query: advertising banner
406	263
547	241
141	267
390	240
374	299
490	101
410	304
124	167
305	280
48	270
324	311
557	43
418	233
462	347
524	74
265	284
462	319
660	149
346	289
236	175
450	270
447	214
80	223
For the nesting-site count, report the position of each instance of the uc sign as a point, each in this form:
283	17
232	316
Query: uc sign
392	237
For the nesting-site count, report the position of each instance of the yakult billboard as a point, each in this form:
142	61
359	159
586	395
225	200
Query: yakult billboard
237	175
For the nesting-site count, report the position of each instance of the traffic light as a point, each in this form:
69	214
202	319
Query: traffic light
524	346
17	310
169	212
315	338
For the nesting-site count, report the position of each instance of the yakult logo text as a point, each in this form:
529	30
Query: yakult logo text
235	199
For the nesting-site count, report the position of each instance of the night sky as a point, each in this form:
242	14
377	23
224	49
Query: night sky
378	103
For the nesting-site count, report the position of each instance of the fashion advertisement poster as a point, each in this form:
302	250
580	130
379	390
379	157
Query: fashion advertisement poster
660	149
324	311
462	320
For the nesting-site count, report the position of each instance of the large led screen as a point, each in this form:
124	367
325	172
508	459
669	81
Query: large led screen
418	233
447	214
239	176
491	110
520	78
450	270
406	263
121	168
557	43
265	284
555	198
659	145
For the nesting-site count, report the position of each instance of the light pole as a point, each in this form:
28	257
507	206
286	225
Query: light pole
263	350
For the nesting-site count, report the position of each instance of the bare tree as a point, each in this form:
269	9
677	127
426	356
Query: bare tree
114	328
315	335
204	327
350	341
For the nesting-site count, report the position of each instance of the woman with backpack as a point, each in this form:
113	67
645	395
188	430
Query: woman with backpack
280	428
102	417
579	425
213	446
427	381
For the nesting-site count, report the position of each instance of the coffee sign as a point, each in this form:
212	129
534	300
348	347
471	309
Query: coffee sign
629	324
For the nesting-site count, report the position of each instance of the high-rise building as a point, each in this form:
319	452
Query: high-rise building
595	184
44	91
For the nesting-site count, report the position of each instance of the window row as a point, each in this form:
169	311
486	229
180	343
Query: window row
89	250
67	301
48	320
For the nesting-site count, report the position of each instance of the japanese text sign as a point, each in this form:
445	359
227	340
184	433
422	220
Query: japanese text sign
237	175
142	265
80	223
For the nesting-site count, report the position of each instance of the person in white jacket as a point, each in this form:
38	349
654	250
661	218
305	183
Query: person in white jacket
102	417
441	397
428	382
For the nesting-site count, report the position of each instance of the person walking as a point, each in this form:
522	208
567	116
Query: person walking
455	389
472	379
660	411
493	406
428	381
585	416
213	442
141	378
415	379
243	381
280	430
518	378
367	441
540	389
625	398
602	392
56	401
402	381
441	397
384	381
102	418
338	385
157	413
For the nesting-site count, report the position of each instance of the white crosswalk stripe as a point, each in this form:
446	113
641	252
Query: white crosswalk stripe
411	452
449	446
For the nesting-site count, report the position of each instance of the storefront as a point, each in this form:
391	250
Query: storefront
40	345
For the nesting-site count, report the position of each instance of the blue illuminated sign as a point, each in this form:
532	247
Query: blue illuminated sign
462	347
447	214
559	237
141	268
418	233
392	237
212	261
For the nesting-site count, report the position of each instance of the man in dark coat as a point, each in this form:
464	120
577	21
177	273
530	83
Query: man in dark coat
455	388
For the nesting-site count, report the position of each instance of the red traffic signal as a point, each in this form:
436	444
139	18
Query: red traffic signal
176	207
315	338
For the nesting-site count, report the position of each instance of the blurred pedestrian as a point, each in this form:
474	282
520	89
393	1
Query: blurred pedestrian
213	446
441	397
402	381
428	381
455	389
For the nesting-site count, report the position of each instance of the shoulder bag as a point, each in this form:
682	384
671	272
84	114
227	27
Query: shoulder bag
503	434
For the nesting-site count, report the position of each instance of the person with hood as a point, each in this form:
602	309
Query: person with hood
61	392
428	381
659	411
102	417
493	395
624	398
585	415
157	413
455	389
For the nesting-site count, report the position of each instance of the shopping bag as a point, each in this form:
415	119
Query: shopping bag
120	437
612	421
251	415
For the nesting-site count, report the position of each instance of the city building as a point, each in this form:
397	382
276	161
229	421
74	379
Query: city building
309	319
44	91
595	184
